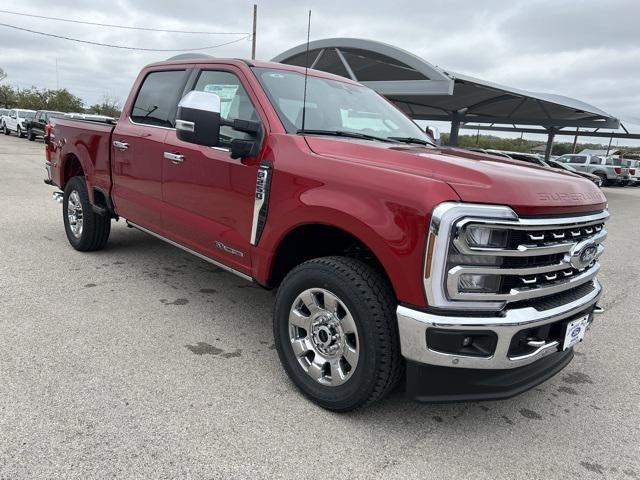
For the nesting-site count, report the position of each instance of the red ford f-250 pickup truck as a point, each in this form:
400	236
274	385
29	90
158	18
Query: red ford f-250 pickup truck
468	275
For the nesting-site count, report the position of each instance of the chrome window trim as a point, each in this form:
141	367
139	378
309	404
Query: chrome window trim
222	149
147	125
444	224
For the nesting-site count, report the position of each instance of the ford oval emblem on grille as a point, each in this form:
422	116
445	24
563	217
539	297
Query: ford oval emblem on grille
583	254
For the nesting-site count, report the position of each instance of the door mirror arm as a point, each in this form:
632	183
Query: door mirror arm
249	147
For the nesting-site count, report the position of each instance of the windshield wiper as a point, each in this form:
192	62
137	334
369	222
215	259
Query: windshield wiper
343	133
421	141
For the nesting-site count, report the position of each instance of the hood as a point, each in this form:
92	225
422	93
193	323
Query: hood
476	177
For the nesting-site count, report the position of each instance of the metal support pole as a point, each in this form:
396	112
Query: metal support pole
575	141
253	37
455	128
609	147
549	149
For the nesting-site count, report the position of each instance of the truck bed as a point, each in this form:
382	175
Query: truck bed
80	143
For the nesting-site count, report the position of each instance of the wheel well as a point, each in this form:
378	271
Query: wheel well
313	241
72	168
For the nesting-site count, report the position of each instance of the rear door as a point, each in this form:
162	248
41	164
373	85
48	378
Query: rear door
12	121
138	146
209	196
579	162
38	123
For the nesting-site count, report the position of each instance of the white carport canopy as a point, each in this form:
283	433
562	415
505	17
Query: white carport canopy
426	92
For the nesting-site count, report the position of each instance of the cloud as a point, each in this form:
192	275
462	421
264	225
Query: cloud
589	49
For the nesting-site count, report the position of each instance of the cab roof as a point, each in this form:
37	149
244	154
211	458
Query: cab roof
197	60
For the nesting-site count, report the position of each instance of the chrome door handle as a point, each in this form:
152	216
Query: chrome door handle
122	146
174	157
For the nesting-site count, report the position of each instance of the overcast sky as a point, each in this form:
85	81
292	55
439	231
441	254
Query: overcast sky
589	50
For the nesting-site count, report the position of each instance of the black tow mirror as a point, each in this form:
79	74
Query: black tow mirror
198	119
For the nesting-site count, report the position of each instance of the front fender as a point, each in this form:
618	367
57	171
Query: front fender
392	222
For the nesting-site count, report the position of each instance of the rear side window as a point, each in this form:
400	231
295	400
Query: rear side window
618	162
578	159
157	99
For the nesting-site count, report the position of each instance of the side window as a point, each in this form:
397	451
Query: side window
235	103
157	99
579	159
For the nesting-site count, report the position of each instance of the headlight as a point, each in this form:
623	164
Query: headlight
444	261
479	283
485	237
475	283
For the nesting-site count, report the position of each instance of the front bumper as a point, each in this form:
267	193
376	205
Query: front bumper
413	326
427	383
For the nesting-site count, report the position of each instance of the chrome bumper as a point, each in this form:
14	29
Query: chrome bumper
413	325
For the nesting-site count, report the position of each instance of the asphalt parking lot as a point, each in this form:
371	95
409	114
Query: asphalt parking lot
141	361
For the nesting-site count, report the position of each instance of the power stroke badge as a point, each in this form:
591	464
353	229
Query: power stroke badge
261	201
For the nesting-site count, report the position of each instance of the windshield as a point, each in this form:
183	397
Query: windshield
335	106
26	113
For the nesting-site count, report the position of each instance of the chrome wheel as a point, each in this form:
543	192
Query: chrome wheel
324	337
74	213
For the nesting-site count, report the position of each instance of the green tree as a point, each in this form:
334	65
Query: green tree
7	96
47	99
110	106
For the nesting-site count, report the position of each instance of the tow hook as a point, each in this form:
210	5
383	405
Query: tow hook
598	309
57	196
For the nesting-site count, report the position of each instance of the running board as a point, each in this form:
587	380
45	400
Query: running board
192	252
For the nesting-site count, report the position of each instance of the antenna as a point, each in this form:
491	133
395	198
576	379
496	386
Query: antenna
306	74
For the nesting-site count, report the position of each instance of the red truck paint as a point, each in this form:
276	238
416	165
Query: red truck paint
381	193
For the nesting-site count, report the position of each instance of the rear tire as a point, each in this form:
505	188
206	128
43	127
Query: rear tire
348	356
6	130
86	230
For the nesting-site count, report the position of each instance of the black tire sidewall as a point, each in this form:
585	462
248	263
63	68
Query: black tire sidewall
362	382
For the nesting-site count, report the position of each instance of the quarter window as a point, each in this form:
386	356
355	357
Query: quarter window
157	99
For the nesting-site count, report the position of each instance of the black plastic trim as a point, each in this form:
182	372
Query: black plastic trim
435	384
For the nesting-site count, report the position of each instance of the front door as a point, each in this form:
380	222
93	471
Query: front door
138	145
209	196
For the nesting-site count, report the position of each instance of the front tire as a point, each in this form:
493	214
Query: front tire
86	230
19	132
604	182
31	136
336	333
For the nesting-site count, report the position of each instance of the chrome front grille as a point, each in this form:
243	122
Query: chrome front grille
482	257
537	260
